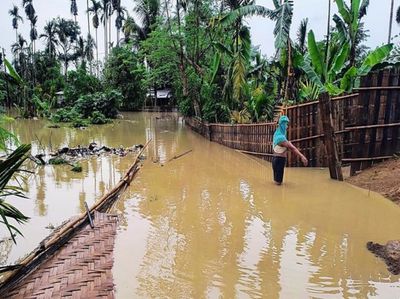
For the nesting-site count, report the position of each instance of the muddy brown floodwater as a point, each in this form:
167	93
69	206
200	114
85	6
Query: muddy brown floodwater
211	224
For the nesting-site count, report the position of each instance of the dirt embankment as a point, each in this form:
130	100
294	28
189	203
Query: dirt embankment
383	178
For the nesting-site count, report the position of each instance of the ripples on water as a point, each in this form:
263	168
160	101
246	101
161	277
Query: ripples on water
211	224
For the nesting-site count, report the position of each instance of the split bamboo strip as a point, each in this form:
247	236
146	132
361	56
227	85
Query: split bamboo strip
372	127
366	159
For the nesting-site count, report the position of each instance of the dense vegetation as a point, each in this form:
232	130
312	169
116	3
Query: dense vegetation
202	50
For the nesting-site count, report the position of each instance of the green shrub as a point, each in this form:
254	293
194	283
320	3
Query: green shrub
107	103
57	161
98	118
80	83
79	123
65	115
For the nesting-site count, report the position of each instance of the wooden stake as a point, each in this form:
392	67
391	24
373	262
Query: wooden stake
330	143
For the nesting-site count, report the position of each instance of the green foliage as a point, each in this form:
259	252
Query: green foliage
80	83
124	72
98	118
79	123
57	161
107	103
8	169
65	115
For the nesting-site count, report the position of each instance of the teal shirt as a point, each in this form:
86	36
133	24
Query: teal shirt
280	133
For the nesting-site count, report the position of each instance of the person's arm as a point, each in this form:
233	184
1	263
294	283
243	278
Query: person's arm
294	150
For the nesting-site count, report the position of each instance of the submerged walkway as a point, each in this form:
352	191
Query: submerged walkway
82	268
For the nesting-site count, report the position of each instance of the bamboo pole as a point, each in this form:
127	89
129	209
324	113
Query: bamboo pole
329	138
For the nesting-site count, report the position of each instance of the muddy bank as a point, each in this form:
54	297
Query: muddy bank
390	253
383	178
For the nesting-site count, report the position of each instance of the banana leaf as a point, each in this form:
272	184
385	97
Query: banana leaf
375	57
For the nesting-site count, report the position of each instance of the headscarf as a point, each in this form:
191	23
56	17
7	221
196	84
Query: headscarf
280	133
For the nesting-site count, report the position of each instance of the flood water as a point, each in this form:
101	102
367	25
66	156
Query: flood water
210	224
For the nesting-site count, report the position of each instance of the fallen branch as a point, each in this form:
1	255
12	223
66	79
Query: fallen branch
180	156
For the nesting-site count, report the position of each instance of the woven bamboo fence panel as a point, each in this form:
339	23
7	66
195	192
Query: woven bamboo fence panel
366	123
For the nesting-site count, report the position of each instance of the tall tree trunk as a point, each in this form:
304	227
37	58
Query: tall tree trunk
118	37
391	21
105	38
109	32
16	35
88	16
328	35
97	54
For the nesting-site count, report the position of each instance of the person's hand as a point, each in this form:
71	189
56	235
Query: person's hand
304	160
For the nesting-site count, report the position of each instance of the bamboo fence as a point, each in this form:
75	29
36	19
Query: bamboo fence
366	125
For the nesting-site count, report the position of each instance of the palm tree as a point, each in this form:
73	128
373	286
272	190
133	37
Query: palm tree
74	9
33	32
95	9
14	13
31	14
90	45
80	51
118	21
88	16
67	32
50	37
148	12
18	48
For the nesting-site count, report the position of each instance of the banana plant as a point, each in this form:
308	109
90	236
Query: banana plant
348	22
337	76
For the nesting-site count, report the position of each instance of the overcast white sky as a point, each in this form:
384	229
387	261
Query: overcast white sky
377	20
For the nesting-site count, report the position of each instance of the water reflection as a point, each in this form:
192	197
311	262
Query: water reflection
211	224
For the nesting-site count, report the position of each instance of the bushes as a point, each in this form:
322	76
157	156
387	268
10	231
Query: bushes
94	108
80	83
107	103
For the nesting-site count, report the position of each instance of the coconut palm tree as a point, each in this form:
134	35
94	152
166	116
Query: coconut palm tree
67	32
148	12
14	13
50	37
74	9
119	21
95	9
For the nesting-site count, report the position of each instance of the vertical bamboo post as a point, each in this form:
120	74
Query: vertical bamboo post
335	168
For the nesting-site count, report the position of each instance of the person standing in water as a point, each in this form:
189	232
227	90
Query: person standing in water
280	147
